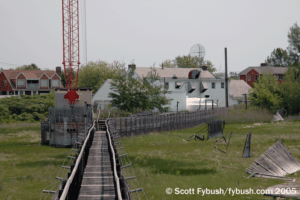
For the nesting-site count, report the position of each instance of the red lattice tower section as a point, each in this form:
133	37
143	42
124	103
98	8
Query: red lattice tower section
70	12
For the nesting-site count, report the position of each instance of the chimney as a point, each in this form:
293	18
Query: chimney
132	66
263	64
162	65
58	71
204	68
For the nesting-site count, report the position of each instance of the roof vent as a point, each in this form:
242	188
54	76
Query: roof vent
263	64
204	68
194	74
131	66
174	76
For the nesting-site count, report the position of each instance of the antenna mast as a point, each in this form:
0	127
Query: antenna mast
70	14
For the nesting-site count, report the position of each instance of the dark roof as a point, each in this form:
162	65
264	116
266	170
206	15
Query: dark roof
266	69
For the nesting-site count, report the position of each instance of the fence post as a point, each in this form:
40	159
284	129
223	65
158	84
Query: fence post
136	118
140	124
145	123
120	126
126	127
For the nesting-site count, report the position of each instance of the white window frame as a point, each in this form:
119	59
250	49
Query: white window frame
249	77
5	83
19	83
213	85
55	81
280	76
256	77
44	80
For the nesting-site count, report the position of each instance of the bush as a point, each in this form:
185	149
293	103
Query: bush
253	114
27	108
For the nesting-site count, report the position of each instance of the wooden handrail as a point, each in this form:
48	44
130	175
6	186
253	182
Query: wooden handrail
67	186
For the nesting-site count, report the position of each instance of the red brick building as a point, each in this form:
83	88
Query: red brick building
251	74
29	82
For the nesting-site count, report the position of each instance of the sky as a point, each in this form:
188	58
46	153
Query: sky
147	32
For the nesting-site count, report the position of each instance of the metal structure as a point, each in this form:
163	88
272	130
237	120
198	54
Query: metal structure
198	51
70	15
65	124
246	151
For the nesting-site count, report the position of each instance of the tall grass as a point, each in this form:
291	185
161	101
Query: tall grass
239	114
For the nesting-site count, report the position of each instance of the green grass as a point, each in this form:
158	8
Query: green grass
164	160
26	167
160	160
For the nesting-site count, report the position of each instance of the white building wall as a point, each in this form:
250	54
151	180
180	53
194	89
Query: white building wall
101	95
179	94
180	97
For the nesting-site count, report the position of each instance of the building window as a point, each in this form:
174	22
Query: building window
5	83
213	85
21	82
256	77
222	84
249	77
55	83
280	76
44	83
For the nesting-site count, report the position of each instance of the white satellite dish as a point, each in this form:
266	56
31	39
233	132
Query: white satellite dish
198	51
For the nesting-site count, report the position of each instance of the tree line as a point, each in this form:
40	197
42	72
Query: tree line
267	92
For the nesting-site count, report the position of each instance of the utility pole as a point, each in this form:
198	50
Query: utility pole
177	106
246	100
226	78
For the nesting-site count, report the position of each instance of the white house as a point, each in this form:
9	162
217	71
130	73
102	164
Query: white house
191	88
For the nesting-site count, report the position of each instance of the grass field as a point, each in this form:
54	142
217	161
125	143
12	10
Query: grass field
160	160
26	167
164	160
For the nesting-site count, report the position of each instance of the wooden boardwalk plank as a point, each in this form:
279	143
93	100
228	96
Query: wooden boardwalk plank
98	180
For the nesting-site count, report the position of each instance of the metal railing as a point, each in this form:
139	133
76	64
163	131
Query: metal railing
72	186
112	149
129	185
33	86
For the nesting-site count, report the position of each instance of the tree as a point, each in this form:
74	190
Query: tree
94	74
168	64
279	58
131	94
294	44
63	77
32	66
266	93
290	91
193	62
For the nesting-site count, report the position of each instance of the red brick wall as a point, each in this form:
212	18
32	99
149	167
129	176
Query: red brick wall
2	85
243	77
280	81
252	73
44	77
21	76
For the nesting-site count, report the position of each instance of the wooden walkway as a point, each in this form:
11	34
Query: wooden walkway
98	180
276	161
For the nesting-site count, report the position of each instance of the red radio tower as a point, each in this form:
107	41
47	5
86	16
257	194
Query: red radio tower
70	13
